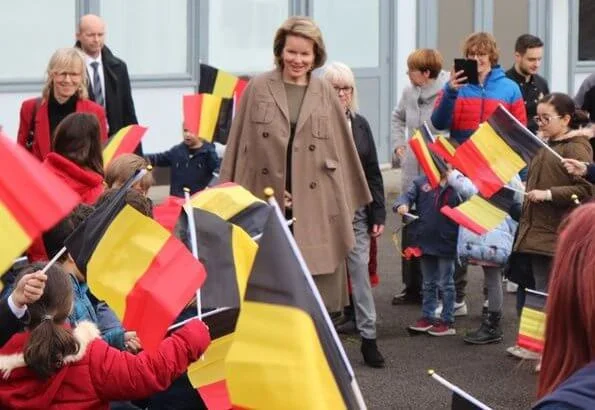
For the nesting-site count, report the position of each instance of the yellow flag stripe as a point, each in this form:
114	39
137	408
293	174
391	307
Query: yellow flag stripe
277	362
110	149
426	153
211	368
13	241
209	113
244	251
532	323
482	212
225	202
111	273
225	84
502	159
446	144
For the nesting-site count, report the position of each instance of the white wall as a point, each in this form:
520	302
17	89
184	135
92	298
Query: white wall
10	105
560	45
578	80
406	40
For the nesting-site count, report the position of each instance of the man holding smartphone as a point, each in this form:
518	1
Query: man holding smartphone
463	105
528	54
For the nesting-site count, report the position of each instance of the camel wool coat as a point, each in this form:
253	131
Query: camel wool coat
328	183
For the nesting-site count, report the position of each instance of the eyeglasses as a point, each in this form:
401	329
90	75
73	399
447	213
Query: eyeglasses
346	90
63	74
545	119
476	54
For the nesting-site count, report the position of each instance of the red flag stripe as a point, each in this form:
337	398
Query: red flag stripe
473	164
130	140
433	178
463	220
530	343
150	320
215	396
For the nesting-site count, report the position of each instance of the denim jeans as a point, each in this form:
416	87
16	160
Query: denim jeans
438	275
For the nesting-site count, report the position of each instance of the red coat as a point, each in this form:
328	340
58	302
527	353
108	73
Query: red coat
99	373
88	184
41	141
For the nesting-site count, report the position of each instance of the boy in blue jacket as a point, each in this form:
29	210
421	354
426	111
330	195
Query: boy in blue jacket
436	235
192	164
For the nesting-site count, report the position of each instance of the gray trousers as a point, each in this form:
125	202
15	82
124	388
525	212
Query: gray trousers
357	265
493	281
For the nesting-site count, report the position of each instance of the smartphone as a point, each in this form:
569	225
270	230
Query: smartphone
469	66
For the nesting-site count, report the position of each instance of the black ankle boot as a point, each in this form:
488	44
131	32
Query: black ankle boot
372	356
488	332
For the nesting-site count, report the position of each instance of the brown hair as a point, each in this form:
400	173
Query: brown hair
425	59
482	43
77	138
303	27
123	167
564	105
50	342
133	198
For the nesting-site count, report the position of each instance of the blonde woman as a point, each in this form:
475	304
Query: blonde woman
368	222
65	92
290	133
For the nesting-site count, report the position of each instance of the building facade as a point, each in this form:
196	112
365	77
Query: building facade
163	43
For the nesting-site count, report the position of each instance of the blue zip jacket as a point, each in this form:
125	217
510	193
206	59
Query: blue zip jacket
462	111
189	168
577	392
433	232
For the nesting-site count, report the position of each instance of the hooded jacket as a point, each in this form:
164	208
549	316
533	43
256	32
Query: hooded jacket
97	374
461	111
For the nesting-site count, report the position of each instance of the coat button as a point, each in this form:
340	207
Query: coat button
312	147
265	134
265	171
313	185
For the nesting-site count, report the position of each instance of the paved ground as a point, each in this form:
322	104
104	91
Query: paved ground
484	371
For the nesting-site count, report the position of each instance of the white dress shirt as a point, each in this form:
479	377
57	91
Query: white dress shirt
17	311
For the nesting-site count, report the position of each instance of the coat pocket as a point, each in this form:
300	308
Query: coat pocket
262	112
320	126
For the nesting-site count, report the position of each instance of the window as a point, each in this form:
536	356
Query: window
586	30
455	23
350	29
241	33
30	33
508	26
149	35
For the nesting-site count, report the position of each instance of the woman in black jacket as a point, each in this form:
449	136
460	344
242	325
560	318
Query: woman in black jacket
368	222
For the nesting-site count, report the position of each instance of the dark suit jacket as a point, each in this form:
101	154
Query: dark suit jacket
118	95
9	322
366	149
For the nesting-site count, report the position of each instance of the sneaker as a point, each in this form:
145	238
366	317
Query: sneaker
442	329
522	353
460	309
347	327
405	298
422	325
511	287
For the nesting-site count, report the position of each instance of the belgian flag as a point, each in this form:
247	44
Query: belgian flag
285	354
533	318
461	400
517	136
431	164
124	141
139	268
481	215
201	115
32	200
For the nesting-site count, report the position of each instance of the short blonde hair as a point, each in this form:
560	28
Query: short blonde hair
303	27
425	59
340	73
66	59
482	42
123	167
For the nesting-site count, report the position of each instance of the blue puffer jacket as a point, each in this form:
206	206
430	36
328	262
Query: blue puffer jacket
493	247
433	232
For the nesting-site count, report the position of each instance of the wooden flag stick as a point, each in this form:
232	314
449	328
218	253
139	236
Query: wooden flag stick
457	390
193	244
54	260
514	190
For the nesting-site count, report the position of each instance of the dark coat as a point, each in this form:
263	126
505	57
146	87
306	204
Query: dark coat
532	90
119	105
10	323
576	392
538	228
433	232
188	169
366	149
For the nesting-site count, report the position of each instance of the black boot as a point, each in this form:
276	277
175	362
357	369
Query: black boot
372	356
347	323
488	332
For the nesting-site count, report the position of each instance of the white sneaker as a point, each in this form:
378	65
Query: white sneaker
522	353
460	309
486	303
511	287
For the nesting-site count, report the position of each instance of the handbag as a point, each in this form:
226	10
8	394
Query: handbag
31	134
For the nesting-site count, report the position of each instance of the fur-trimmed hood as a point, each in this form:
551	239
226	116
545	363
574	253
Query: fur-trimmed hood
11	355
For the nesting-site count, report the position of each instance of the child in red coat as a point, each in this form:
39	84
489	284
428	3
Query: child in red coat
51	366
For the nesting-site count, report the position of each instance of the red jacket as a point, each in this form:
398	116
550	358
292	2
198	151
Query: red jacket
41	141
88	184
99	373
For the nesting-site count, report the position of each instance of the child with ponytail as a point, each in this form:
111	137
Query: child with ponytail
53	366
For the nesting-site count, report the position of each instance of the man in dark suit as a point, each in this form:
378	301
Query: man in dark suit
109	83
13	309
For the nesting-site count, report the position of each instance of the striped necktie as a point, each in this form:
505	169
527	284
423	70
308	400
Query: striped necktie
97	92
